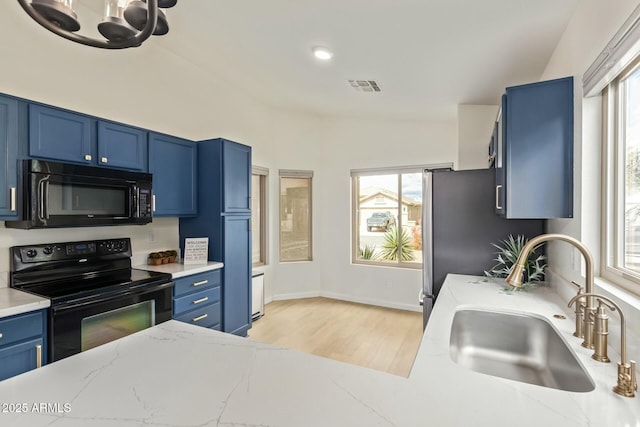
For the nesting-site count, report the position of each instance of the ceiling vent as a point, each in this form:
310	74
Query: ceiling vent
365	85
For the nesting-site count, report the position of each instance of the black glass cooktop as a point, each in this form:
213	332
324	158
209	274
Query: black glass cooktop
68	288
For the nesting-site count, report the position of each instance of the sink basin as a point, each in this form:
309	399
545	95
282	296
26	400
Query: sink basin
516	346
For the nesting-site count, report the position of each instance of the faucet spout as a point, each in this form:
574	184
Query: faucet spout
515	277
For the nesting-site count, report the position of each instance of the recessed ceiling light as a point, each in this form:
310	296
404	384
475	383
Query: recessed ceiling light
321	52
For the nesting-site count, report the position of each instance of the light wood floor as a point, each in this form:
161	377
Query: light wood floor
374	337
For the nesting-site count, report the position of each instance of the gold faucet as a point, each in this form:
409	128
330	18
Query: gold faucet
627	383
515	280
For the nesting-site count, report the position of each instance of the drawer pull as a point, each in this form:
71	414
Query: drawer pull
203	282
104	160
87	157
0	335
38	356
198	301
199	318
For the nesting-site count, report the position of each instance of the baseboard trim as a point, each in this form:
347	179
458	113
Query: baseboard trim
297	295
343	297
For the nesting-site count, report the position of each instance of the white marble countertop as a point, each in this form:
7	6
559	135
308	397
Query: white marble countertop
13	301
176	374
178	270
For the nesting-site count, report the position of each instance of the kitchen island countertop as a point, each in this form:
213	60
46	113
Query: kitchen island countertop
175	374
13	301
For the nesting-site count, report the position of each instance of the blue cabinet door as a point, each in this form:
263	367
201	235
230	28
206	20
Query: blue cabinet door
237	274
538	150
61	135
22	343
173	163
19	358
121	146
8	158
236	180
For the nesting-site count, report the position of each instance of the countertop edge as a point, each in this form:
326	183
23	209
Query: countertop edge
178	270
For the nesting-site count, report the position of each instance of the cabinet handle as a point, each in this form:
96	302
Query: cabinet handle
87	157
201	300
203	282
153	203
199	318
38	356
104	159
0	335
498	187
13	199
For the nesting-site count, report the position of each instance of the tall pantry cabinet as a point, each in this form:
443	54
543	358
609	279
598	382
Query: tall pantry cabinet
224	216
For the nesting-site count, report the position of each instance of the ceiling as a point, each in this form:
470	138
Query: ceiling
427	56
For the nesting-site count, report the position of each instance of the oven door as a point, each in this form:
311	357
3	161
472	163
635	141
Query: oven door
82	325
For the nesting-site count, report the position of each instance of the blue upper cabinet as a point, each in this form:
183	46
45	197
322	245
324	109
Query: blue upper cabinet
174	165
8	158
236	177
121	146
73	137
537	150
61	135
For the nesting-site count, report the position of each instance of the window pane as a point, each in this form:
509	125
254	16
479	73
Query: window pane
411	216
378	213
295	219
631	139
256	219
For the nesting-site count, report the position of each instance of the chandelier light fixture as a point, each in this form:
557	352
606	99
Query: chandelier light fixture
126	23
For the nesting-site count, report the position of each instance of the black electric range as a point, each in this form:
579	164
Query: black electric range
95	295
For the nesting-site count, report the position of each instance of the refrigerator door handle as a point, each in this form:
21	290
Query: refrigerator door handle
427	233
422	296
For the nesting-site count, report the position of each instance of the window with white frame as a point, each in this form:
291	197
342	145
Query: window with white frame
386	217
295	215
621	106
259	215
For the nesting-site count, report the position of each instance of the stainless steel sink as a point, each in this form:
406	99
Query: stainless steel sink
517	347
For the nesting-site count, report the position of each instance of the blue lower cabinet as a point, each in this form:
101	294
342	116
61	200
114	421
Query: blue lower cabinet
19	358
206	316
196	299
237	274
22	343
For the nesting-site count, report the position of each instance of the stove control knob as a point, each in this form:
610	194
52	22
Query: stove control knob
109	246
48	250
31	253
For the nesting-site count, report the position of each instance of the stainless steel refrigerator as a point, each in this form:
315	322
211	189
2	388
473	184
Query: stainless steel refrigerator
459	225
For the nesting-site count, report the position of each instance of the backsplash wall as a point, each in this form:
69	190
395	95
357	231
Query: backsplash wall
161	234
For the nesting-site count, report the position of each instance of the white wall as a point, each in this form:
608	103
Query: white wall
147	86
337	145
592	26
475	125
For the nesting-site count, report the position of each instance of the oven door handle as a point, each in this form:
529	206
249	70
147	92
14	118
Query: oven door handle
138	290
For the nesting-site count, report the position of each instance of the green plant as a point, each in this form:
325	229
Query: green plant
508	254
392	237
368	252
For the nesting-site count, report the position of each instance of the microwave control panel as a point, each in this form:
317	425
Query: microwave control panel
145	202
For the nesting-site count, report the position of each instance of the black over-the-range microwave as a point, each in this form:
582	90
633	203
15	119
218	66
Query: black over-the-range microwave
65	195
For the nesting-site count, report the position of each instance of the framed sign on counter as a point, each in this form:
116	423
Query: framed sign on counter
196	250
